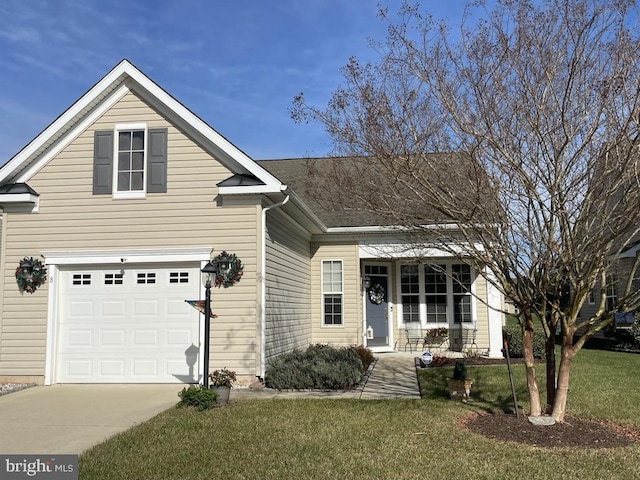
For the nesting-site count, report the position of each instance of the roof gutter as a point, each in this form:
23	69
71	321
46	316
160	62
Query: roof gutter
263	293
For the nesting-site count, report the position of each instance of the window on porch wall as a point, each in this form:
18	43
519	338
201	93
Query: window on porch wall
410	292
332	292
444	290
461	284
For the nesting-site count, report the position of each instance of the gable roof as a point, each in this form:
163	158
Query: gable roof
113	86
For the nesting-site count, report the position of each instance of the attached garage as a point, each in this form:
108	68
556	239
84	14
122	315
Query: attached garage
127	323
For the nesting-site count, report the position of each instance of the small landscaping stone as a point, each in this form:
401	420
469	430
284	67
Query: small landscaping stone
542	421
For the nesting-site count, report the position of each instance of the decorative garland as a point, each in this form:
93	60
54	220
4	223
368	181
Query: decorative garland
376	294
232	276
38	275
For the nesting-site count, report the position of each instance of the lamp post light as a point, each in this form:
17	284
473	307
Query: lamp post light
26	269
220	265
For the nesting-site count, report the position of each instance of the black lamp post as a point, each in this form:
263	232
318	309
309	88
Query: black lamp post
209	272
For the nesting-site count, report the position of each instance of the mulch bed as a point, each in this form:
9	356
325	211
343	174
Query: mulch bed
573	433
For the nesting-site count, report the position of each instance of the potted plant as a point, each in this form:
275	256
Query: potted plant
460	385
221	382
439	332
436	336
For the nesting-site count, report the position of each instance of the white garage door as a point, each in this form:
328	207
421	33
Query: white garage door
128	325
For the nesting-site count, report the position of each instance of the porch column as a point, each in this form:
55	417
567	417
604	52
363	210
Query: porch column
494	302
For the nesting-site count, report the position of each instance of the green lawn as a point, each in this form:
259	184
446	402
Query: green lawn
404	439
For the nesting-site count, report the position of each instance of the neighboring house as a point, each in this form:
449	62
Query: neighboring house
128	194
616	282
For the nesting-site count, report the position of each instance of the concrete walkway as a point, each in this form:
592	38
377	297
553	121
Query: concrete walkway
393	376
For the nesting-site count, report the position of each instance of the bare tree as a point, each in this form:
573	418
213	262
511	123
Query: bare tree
540	103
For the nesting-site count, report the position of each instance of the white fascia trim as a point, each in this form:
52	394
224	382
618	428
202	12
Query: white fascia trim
72	134
19	198
124	256
249	190
369	250
389	228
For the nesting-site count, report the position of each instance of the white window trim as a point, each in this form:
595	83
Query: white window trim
129	194
450	323
341	293
591	298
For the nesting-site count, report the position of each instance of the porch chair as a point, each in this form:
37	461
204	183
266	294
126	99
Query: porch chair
414	336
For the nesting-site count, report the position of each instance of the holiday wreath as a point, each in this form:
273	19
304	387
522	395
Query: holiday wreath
376	294
233	275
37	278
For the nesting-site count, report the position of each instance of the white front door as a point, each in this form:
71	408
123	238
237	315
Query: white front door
128	324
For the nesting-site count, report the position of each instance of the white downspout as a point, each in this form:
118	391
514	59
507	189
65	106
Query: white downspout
263	315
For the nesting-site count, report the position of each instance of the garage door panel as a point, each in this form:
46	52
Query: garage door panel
145	338
79	338
128	325
113	308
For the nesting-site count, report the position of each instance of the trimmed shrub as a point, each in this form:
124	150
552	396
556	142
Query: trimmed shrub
514	338
366	355
198	397
319	366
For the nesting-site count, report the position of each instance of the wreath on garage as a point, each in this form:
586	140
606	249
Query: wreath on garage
233	275
376	294
36	279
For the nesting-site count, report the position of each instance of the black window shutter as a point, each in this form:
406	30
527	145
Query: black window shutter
157	161
102	162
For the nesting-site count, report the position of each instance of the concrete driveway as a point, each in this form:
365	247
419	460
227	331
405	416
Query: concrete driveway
71	418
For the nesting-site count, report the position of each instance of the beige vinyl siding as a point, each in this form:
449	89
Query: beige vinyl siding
288	286
71	218
350	332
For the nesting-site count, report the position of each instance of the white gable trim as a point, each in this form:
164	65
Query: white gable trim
71	136
230	154
242	190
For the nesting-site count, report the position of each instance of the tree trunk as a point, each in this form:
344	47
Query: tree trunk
532	385
562	388
550	357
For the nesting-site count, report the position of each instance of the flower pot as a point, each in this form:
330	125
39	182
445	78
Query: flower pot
223	394
459	389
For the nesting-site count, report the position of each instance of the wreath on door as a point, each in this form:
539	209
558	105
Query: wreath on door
376	294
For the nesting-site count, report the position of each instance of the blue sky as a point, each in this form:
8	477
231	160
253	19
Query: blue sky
237	65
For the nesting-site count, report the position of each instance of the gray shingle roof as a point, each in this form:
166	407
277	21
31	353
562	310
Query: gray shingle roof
356	192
